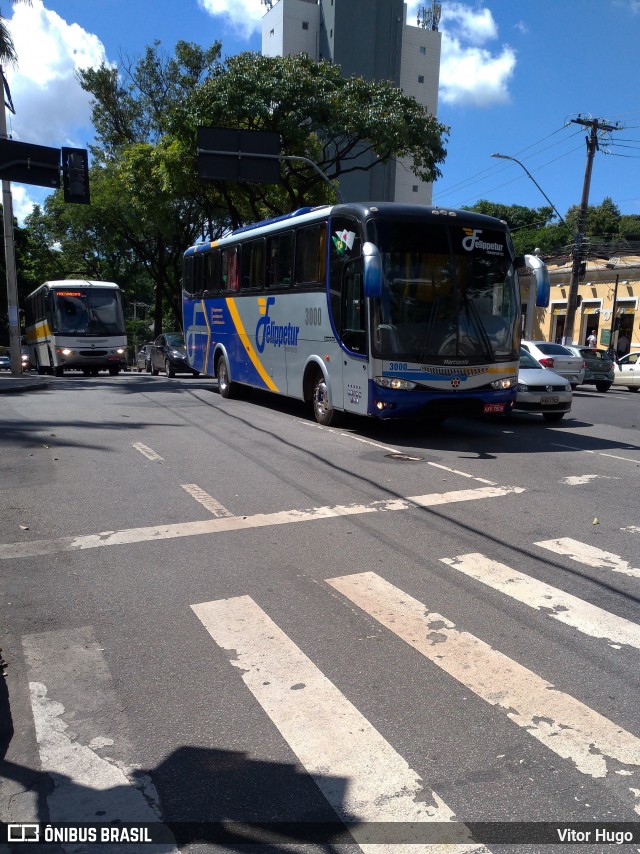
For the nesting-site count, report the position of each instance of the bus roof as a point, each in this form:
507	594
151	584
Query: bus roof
362	210
62	284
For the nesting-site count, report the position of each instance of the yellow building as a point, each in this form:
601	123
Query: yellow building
598	290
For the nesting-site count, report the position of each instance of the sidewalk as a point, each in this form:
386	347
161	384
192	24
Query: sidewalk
24	382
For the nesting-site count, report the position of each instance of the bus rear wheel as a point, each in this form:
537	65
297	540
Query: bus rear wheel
322	411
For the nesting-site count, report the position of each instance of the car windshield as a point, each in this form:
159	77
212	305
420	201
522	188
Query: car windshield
175	340
527	361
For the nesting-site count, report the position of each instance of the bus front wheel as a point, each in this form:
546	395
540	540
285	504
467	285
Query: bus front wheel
225	386
324	413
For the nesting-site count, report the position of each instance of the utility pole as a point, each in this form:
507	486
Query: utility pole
596	125
9	253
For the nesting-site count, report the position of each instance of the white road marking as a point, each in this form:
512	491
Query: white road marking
589	555
597	453
214	507
84	783
556	604
356	769
240	523
579	480
632	529
569	728
149	453
461	473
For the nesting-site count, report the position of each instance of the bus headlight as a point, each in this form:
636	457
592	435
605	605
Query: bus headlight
120	351
506	382
394	383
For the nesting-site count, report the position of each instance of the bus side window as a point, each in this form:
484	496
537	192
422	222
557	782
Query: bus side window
252	268
280	260
212	274
310	254
230	269
187	274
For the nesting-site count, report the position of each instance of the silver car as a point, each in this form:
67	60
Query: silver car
541	391
557	358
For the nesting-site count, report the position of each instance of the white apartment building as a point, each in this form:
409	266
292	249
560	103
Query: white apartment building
372	39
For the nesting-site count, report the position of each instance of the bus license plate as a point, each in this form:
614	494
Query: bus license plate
549	401
493	407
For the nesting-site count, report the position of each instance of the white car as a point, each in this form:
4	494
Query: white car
541	391
627	371
558	359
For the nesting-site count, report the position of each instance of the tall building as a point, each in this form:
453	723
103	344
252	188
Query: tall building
371	39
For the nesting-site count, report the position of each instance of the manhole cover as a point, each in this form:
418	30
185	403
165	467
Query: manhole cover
404	458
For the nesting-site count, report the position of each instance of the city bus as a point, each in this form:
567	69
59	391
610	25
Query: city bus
383	310
76	324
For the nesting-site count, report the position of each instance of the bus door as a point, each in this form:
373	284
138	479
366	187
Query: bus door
353	333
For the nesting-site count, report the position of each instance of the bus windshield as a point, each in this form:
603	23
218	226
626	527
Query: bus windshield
87	312
448	292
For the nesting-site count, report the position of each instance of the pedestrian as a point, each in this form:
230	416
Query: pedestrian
592	340
623	345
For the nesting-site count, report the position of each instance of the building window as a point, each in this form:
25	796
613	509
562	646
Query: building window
305	25
415	188
272	33
420	78
423	50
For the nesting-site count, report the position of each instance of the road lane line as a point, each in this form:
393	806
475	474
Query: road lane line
556	604
359	773
589	555
572	730
214	507
149	453
240	523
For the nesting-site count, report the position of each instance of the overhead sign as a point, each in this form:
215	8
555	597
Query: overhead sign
225	154
29	164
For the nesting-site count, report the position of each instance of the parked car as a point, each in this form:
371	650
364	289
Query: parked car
143	359
557	358
5	363
169	354
627	371
599	370
541	390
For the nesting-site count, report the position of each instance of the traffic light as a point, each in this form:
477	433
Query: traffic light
75	175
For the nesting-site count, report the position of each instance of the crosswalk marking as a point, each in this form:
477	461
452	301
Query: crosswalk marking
240	523
595	745
356	769
556	604
589	555
214	507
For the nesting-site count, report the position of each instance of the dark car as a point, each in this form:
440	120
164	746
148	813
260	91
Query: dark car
169	354
27	365
599	366
143	359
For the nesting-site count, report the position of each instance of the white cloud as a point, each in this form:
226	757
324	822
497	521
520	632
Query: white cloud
243	15
51	108
470	72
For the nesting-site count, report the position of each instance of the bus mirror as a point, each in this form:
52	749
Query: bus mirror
372	270
541	275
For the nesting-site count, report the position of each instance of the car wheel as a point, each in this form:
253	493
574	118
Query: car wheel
147	367
114	371
154	371
553	416
58	371
603	386
633	387
322	411
574	386
168	369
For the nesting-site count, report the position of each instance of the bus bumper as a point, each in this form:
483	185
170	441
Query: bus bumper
388	403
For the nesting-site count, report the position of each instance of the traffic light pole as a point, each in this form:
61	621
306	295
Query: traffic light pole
9	255
578	249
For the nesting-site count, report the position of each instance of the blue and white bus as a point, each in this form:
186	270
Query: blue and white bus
384	310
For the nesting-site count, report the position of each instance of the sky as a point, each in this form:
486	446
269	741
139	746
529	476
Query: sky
514	77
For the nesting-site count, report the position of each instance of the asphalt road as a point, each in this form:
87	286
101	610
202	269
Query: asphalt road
218	611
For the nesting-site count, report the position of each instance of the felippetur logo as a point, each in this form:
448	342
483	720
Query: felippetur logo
472	241
270	332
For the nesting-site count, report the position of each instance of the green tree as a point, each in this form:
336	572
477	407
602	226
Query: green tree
603	220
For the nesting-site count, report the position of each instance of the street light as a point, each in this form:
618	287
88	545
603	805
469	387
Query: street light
507	157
